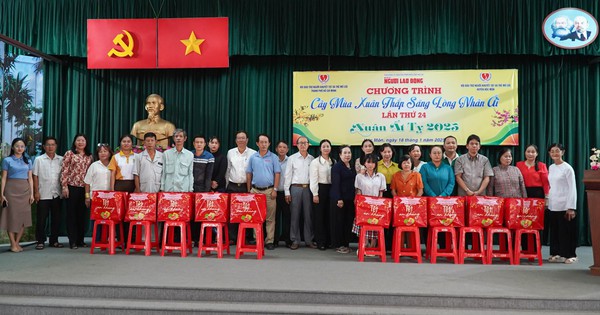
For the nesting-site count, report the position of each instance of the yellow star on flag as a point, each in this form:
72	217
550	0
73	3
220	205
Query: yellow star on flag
192	44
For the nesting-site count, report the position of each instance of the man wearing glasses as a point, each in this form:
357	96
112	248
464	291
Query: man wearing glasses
298	195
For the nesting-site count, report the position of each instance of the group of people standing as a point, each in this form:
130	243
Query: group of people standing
309	199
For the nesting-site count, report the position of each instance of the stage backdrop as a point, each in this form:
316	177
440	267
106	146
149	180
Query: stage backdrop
405	107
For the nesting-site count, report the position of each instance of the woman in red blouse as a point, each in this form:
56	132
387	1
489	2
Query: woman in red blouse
535	175
75	164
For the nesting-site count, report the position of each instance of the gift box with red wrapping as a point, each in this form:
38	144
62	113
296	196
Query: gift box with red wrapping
141	207
372	210
410	211
485	211
175	206
212	207
108	205
446	211
524	213
248	208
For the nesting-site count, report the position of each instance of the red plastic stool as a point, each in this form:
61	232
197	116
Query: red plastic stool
142	243
207	244
169	243
505	244
451	249
414	243
242	247
534	247
478	250
377	251
109	241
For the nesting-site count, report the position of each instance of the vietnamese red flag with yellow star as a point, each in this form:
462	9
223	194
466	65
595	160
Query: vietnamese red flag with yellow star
121	43
193	43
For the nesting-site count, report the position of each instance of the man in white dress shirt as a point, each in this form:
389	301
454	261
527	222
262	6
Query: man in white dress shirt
47	193
235	176
298	195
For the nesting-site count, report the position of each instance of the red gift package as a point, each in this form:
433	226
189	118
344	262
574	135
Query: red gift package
248	208
175	206
446	211
372	210
108	205
410	211
141	207
212	207
524	213
485	211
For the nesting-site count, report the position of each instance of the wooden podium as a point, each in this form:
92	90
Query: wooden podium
591	179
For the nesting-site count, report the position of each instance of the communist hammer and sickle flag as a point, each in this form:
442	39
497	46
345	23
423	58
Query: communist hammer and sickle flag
121	43
126	47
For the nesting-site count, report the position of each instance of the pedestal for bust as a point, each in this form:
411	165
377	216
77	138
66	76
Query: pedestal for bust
591	179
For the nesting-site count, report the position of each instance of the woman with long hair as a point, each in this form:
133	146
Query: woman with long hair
387	167
220	166
320	186
75	164
367	147
17	194
535	175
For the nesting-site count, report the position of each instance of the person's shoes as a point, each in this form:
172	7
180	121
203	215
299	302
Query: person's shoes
322	247
83	245
571	260
312	245
556	259
73	246
56	245
270	246
343	250
294	246
288	245
39	246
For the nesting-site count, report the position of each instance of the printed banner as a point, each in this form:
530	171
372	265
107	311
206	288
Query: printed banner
121	43
406	107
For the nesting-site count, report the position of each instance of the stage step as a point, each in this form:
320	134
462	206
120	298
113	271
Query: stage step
33	298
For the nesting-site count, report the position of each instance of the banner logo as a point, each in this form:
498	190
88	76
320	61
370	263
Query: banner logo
485	76
323	78
127	48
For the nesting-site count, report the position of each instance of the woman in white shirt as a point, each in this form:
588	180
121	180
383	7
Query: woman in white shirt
414	151
97	176
320	185
371	184
562	201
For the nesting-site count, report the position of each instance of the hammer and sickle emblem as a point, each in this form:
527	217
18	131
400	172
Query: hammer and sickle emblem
127	48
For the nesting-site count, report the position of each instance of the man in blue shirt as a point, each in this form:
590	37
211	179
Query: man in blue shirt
262	177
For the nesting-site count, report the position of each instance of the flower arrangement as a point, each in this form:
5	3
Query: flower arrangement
594	159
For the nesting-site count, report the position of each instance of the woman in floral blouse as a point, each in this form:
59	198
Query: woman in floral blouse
75	164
